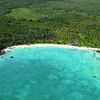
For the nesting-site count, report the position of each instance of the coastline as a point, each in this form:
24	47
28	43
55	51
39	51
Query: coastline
50	45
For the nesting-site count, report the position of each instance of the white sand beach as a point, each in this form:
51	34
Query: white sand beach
51	45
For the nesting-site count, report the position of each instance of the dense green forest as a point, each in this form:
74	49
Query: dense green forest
75	22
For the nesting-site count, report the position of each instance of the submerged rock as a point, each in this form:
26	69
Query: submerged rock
2	52
11	56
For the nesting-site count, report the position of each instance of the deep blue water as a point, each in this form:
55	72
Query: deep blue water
49	73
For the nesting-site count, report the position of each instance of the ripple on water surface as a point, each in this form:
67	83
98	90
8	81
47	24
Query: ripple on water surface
49	73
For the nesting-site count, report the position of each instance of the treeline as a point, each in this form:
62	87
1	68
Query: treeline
33	35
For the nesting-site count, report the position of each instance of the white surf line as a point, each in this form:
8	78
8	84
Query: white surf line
51	45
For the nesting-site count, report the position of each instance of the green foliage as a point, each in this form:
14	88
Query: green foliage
25	13
74	22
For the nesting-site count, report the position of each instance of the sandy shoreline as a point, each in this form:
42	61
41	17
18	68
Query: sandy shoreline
51	45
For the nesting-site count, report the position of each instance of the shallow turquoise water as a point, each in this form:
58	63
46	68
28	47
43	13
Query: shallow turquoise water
50	73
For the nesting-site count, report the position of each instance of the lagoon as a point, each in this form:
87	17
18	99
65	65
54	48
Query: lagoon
49	73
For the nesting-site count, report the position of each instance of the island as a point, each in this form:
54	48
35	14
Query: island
71	22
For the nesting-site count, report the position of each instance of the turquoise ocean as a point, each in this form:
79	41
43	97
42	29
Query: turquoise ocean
49	73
